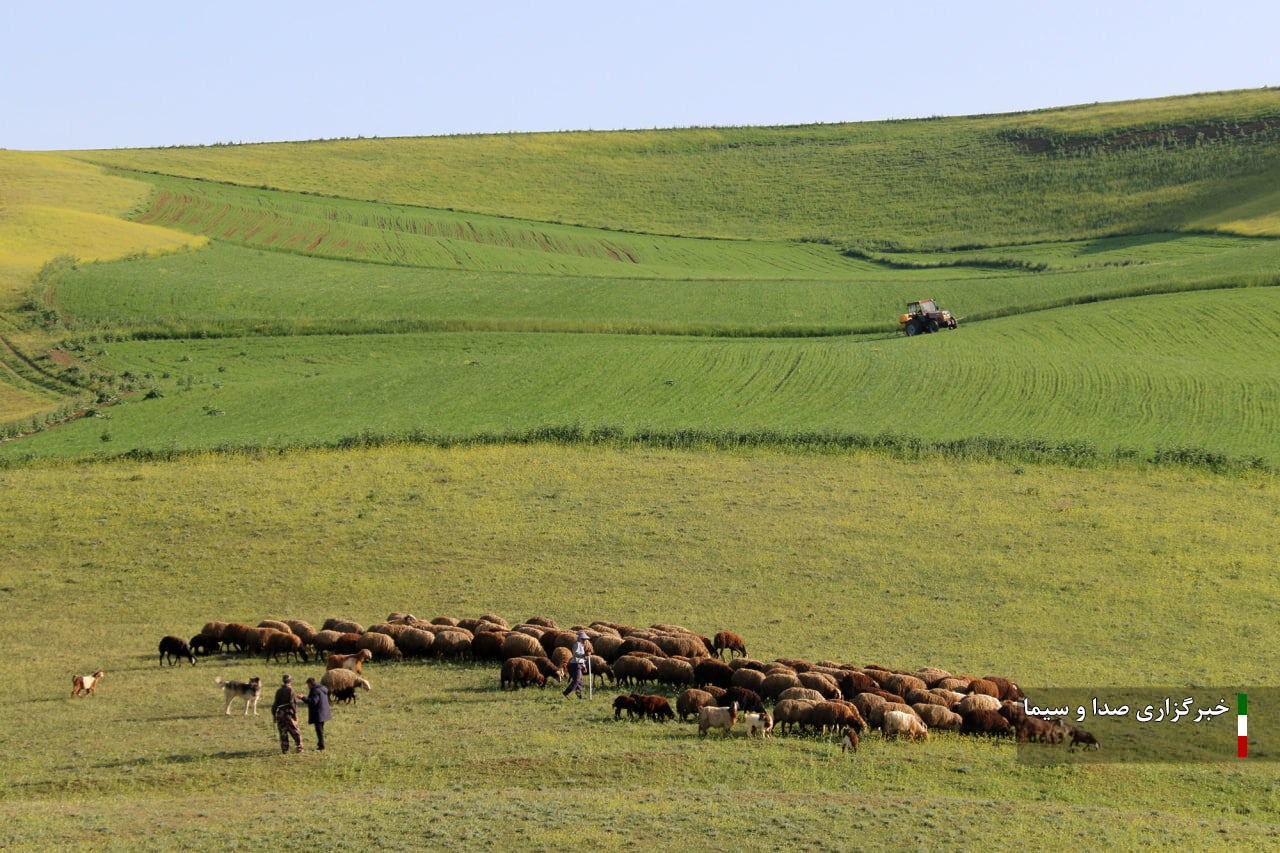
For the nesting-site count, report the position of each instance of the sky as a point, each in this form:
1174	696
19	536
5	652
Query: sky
137	74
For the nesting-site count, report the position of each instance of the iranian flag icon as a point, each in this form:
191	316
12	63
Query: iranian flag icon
1242	730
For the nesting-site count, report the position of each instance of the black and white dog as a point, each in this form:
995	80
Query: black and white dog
248	691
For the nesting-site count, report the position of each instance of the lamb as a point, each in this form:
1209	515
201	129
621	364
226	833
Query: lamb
656	708
174	649
710	716
340	679
691	701
346	694
600	669
899	723
761	723
352	662
727	641
625	703
520	672
290	644
85	684
1080	736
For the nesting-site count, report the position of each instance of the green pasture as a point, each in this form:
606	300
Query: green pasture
1049	575
1182	370
923	184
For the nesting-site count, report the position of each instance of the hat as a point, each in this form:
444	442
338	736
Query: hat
288	678
582	635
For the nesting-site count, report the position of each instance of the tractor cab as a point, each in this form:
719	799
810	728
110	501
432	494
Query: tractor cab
925	316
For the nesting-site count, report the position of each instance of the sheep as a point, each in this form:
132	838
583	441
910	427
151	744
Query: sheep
836	714
656	708
916	696
342	626
761	723
727	641
747	663
977	702
624	703
639	644
534	631
495	620
955	683
690	701
1031	729
632	669
255	639
487	645
801	693
982	686
824	684
710	716
85	684
214	629
684	645
791	712
849	741
1008	691
931	675
773	685
325	641
415	642
353	662
174	649
520	672
346	694
712	671
938	717
347	644
290	644
751	679
545	666
898	723
607	647
746	700
674	671
234	633
340	679
517	644
600	670
984	722
543	621
1080	736
871	706
454	643
392	631
204	645
303	630
903	684
853	683
282	627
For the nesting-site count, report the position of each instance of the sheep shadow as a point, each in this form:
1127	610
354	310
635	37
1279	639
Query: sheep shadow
186	758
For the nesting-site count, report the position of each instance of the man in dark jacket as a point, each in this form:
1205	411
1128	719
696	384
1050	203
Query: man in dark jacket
285	711
317	700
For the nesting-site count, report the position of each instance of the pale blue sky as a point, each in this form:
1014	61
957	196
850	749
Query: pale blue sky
128	74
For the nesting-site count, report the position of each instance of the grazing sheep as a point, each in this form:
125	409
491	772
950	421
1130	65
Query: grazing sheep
85	684
746	700
1032	729
608	647
837	715
303	630
714	717
801	693
453	643
982	686
600	670
931	675
871	706
560	656
938	717
1080	736
898	723
340	679
675	671
325	641
545	666
684	645
282	627
174	649
984	722
773	685
849	741
712	671
955	684
824	684
690	701
656	708
342	626
542	621
633	669
353	662
624	703
214	629
761	723
235	634
852	683
727	641
204	645
915	697
494	619
415	642
534	631
255	639
903	684
639	644
445	622
977	702
347	644
392	631
520	672
751	679
517	644
487	645
791	712
747	663
290	644
1008	690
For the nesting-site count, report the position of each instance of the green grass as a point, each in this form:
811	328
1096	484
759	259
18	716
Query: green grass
1194	369
925	184
107	558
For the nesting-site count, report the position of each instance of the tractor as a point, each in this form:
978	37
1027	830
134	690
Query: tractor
925	316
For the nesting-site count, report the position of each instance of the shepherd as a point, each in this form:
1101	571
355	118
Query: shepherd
285	711
577	665
318	713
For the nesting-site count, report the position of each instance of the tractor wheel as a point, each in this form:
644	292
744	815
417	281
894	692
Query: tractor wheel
932	327
912	329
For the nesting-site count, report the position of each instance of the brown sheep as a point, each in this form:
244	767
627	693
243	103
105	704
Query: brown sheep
545	666
487	645
747	663
445	621
234	633
382	646
712	671
903	684
915	696
790	712
624	703
174	649
751	679
214	630
600	670
727	641
607	646
204	645
415	642
560	656
520	672
977	702
774	684
1080	736
340	679
282	627
342	626
633	669
824	684
638	644
835	714
392	630
347	643
801	693
530	630
871	706
938	717
684	645
290	644
325	641
931	675
954	683
982	686
853	682
541	621
716	692
656	708
746	700
1008	690
676	672
518	644
688	702
453	643
304	631
494	619
255	639
984	722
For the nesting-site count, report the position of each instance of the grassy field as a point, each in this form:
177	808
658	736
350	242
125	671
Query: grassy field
1144	374
788	549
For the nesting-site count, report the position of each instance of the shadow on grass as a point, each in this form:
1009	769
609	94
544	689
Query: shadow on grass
266	750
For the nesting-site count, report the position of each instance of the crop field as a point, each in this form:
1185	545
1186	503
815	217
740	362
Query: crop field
640	376
108	558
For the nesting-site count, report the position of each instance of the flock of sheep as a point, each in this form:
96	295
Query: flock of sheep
805	696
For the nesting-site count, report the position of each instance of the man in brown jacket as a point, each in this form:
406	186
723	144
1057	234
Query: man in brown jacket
285	711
